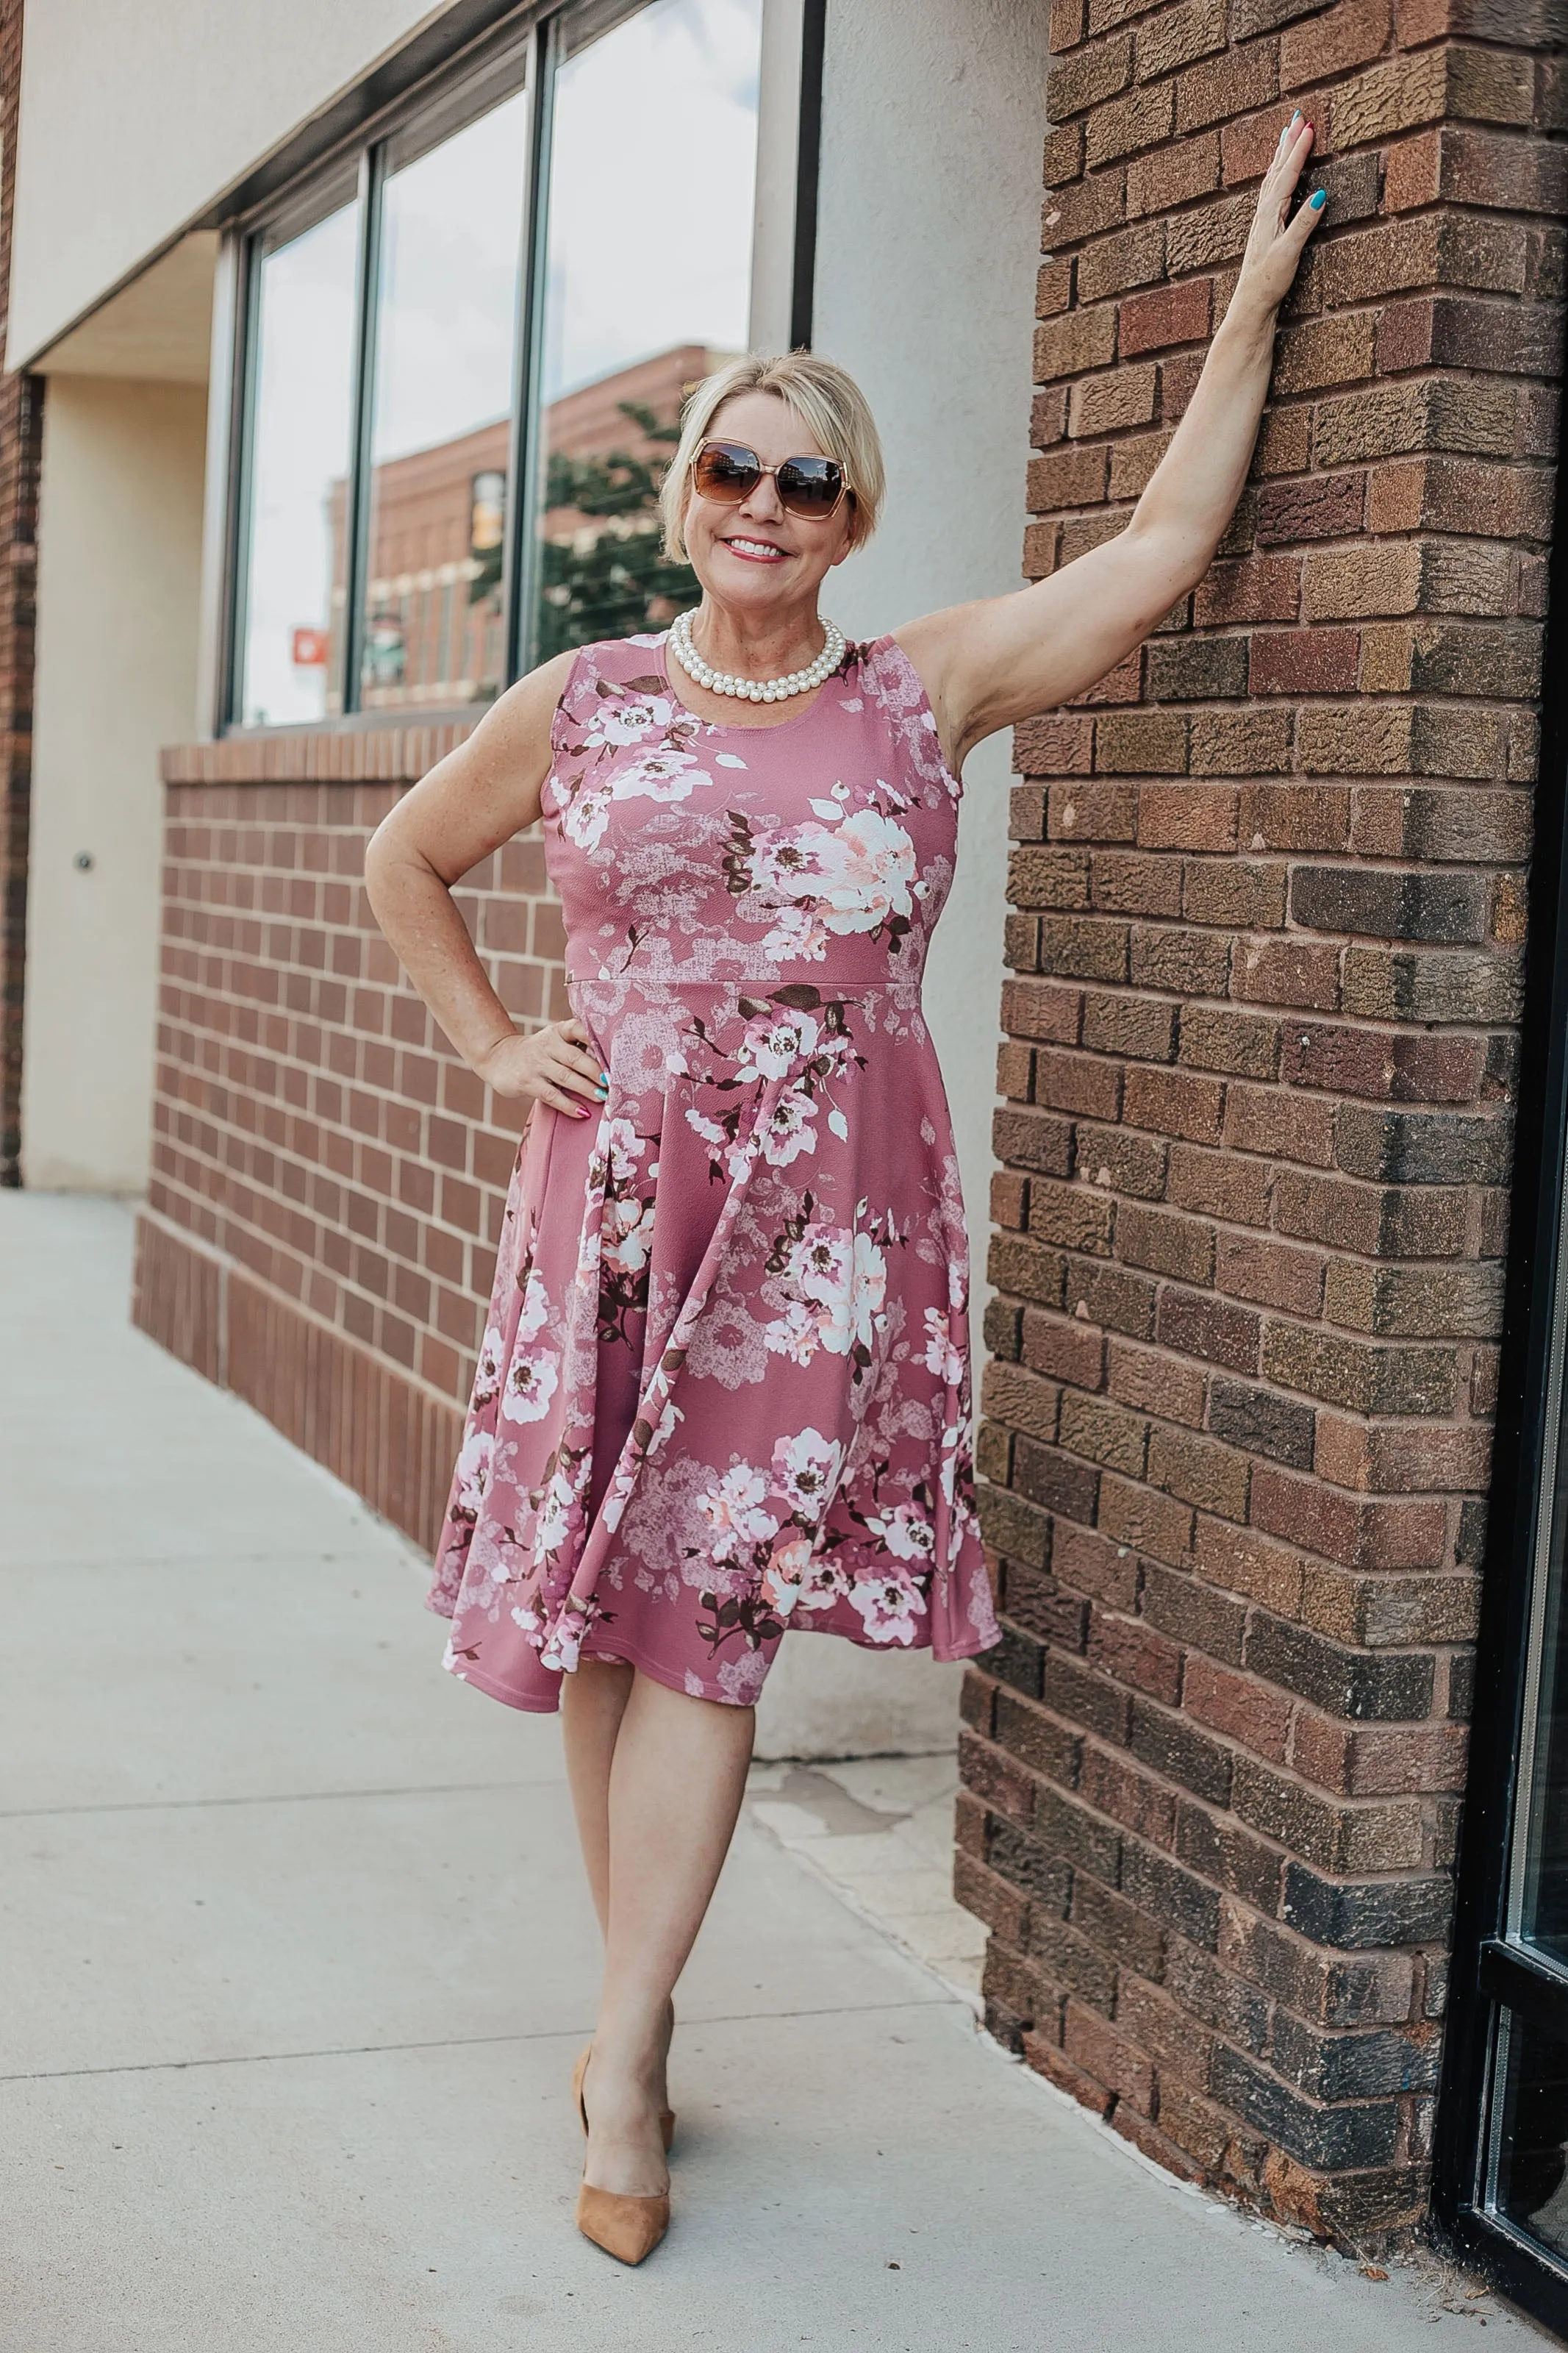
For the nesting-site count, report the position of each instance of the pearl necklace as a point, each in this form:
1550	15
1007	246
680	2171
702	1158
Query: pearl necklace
755	689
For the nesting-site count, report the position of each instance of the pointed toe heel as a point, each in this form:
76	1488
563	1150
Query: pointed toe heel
627	2228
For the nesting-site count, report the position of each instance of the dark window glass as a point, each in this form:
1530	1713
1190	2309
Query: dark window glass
647	286
290	643
450	265
1529	2136
1538	1907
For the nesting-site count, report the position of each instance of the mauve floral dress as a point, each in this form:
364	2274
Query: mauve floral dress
724	1389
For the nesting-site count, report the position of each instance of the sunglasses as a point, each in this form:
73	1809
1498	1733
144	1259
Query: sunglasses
728	472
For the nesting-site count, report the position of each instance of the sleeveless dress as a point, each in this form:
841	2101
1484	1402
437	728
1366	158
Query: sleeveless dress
724	1387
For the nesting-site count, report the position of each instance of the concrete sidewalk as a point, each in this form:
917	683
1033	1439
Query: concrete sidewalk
297	1960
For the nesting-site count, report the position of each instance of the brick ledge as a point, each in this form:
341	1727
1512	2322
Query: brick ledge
376	1427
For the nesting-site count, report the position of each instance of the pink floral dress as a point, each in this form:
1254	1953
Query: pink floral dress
724	1389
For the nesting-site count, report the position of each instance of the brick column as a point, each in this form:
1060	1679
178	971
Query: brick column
21	422
1269	903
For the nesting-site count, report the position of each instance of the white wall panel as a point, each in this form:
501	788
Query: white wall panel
928	243
135	118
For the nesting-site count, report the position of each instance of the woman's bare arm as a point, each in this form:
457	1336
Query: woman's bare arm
992	663
471	802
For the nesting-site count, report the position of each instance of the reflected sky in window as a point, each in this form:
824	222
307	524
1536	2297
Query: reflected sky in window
652	181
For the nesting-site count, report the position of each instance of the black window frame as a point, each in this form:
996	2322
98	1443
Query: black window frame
481	40
1493	1972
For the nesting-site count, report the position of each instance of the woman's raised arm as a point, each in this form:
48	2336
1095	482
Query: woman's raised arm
989	664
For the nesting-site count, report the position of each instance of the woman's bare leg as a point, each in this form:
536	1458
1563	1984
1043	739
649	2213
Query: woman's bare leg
592	1702
676	1777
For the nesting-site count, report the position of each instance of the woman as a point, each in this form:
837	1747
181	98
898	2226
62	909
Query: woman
724	1386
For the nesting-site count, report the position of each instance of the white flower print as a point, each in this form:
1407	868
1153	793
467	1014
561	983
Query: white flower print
474	1468
536	1306
627	1234
867	877
629	719
789	1129
854	875
797	936
941	1356
621	1147
585	816
555	1512
735	1509
840	1278
530	1385
487	1374
906	1532
805	1470
823	1583
889	1606
788	1564
777	1042
658	777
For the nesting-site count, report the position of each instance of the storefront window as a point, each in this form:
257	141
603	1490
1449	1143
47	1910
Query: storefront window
647	285
424	330
289	607
449	263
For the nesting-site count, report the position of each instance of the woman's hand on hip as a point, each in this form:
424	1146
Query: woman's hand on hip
548	1065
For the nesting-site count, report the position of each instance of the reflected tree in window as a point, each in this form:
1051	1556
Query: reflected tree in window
604	573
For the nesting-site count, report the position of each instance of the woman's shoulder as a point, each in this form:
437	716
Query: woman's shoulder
622	661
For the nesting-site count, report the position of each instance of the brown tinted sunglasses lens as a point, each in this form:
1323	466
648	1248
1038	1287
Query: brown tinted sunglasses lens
727	472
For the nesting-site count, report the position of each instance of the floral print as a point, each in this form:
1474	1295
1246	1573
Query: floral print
723	1388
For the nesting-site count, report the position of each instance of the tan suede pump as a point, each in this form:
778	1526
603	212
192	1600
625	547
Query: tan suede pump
626	2227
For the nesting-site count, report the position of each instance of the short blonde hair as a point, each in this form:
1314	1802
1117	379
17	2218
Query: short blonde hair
829	404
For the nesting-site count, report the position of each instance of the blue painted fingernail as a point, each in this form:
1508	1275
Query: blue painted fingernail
1320	200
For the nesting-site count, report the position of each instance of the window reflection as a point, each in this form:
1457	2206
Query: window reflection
1539	1904
652	166
450	255
1531	2131
290	653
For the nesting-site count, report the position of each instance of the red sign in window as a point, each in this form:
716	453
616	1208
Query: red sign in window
310	648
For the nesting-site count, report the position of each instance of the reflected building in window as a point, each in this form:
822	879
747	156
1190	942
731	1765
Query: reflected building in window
434	625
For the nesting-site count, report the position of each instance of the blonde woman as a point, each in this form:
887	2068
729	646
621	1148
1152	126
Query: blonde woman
724	1387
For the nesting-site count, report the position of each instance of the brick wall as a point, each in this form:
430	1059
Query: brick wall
1268	908
328	1177
21	420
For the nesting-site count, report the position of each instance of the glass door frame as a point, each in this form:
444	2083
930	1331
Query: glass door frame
539	27
1492	1971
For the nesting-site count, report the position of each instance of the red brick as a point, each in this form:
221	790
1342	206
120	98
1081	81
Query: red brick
1304	661
1243	1707
1175	1103
1173	314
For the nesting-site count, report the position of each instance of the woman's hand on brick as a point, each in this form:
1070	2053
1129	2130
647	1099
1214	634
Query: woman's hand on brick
1273	251
548	1065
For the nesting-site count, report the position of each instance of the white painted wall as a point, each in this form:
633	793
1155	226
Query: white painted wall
118	568
928	240
135	118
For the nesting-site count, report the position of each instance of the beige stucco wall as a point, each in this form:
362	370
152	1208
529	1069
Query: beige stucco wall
135	118
120	543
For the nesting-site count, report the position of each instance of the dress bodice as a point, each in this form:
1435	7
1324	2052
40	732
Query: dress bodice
819	848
